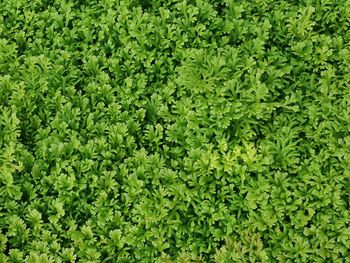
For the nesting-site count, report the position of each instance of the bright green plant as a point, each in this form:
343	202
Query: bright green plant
174	131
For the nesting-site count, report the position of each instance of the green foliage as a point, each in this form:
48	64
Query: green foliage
174	131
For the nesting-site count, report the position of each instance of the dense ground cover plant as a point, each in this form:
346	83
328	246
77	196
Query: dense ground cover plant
174	131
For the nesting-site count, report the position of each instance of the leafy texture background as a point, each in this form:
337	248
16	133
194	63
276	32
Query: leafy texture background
174	131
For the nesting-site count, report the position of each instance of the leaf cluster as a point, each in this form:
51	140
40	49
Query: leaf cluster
174	131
